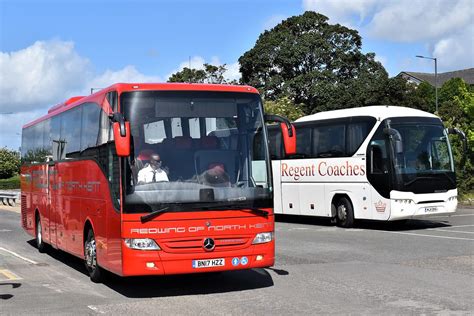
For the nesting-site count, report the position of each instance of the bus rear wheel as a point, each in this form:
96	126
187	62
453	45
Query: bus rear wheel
90	256
344	212
39	236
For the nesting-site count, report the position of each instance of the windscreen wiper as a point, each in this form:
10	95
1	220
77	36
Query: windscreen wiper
416	179
152	215
233	207
205	207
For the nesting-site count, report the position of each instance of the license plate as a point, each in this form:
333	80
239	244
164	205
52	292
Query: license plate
208	263
431	209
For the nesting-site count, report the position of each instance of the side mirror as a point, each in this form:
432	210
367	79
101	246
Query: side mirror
122	138
287	131
121	134
456	131
396	138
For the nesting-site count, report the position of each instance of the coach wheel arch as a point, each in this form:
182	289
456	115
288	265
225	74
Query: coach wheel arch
90	254
343	209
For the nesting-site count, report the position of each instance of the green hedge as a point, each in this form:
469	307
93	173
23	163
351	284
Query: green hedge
11	183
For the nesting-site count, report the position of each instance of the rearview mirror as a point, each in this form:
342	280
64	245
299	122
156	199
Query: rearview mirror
456	131
121	134
287	131
396	139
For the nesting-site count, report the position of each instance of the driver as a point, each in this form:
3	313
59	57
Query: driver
153	171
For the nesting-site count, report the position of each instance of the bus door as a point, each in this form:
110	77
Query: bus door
52	193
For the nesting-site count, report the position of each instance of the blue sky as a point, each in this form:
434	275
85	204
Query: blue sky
51	50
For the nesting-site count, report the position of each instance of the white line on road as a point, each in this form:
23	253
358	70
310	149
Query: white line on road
5	230
421	235
460	226
451	231
18	256
457	215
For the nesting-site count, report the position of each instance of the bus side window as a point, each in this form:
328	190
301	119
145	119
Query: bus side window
376	159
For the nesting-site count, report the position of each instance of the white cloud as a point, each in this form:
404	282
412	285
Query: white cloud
233	72
342	11
49	72
127	74
11	124
456	51
414	20
445	26
46	73
40	74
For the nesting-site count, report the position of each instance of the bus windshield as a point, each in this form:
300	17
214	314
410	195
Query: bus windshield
193	147
426	155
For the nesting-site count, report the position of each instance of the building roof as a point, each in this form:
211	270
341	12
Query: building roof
466	74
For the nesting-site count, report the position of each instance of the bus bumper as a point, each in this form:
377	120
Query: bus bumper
140	262
406	205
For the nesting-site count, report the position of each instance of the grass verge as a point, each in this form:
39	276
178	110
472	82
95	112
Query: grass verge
11	183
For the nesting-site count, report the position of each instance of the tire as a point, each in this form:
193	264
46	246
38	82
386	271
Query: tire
344	213
39	236
90	258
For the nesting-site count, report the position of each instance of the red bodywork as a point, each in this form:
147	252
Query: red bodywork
72	196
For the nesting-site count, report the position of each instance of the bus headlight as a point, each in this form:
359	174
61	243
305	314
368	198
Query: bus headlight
142	244
262	238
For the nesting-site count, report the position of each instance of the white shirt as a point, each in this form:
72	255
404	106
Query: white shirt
145	175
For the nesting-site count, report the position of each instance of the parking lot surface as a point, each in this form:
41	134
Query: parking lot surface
422	266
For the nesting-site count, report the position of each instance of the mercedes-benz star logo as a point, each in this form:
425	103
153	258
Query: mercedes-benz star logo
209	244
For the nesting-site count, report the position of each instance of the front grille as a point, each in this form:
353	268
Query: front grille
429	202
192	245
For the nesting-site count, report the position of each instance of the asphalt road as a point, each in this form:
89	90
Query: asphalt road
423	267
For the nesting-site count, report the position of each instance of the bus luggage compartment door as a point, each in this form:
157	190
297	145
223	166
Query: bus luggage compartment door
290	198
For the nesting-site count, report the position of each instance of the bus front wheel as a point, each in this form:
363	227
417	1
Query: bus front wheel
90	256
344	212
39	236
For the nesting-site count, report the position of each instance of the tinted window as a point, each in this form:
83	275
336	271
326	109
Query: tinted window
303	141
357	132
275	142
71	131
90	125
27	143
329	140
57	144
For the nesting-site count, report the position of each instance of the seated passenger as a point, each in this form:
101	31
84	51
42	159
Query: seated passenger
153	171
215	176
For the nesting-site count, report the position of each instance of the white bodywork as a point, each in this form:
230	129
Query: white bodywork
308	186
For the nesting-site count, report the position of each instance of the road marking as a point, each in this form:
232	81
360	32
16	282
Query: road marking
9	275
460	226
18	256
457	215
5	230
451	231
421	235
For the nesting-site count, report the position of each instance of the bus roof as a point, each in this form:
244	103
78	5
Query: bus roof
380	112
98	96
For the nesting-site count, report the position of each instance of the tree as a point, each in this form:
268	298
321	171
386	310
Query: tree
284	107
314	63
9	163
210	74
457	110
